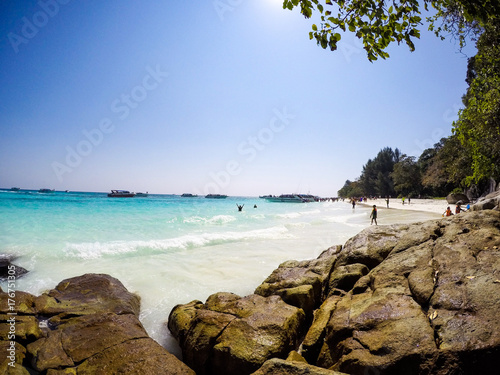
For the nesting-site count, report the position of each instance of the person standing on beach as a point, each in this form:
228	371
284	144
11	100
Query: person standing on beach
373	215
387	201
353	203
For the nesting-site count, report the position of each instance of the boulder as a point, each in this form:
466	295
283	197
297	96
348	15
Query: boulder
142	356
235	335
489	202
7	268
453	198
11	360
301	284
26	327
24	303
88	294
86	325
429	307
278	366
344	277
313	341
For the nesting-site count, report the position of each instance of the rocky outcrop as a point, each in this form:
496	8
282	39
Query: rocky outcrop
400	299
301	284
7	268
278	366
229	334
454	198
489	202
86	325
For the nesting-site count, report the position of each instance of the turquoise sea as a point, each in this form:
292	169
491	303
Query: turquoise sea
167	248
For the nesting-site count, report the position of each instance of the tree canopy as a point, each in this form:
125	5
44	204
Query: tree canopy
478	126
379	23
471	155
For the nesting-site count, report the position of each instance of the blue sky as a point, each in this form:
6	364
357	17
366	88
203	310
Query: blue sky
224	96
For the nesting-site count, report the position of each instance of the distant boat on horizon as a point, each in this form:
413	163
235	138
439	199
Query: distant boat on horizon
44	190
121	194
291	198
216	196
189	195
15	189
141	194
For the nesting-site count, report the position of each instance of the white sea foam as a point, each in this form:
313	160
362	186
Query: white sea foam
217	219
290	215
94	250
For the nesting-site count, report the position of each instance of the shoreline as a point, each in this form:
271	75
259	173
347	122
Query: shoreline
436	206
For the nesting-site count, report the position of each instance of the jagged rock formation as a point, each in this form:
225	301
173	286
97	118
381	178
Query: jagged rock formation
234	335
86	325
7	268
401	299
489	202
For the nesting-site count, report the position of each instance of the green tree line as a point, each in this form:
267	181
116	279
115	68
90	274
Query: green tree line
437	172
470	157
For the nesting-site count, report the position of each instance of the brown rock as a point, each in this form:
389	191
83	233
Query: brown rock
49	353
25	327
430	306
88	294
278	366
343	278
24	303
94	329
307	278
11	358
135	357
315	336
453	198
234	335
180	318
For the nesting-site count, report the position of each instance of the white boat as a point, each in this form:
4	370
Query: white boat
291	198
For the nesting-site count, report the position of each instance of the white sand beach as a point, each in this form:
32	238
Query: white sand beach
433	207
437	206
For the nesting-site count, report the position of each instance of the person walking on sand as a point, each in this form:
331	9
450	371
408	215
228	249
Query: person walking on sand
373	215
387	201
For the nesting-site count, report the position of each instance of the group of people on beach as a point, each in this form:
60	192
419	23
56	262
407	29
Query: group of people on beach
458	209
